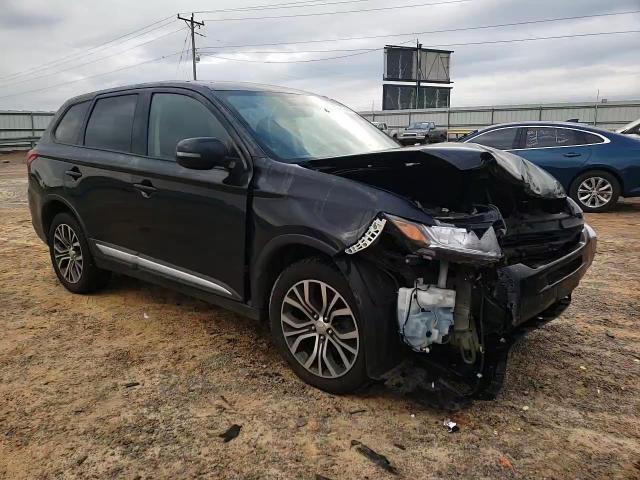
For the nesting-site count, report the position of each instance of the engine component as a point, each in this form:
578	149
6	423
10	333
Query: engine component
425	315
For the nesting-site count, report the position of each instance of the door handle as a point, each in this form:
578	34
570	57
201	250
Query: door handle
74	173
572	154
145	188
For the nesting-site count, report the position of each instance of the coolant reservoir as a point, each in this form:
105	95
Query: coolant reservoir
425	315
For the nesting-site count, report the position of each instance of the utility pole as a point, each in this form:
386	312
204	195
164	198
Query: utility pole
192	26
418	71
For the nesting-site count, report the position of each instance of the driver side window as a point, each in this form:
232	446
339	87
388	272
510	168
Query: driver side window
174	117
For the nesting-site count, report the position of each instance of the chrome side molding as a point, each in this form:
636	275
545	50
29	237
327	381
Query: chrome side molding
144	263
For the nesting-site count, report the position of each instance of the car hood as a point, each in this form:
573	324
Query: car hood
461	157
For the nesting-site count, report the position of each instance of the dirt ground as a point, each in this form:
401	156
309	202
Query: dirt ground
139	382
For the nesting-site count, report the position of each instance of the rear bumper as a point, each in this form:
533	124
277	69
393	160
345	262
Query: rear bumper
526	291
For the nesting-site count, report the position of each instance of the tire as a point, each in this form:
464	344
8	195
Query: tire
74	267
605	183
325	346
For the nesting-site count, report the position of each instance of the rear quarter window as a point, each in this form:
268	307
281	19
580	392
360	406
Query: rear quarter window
589	138
68	129
111	122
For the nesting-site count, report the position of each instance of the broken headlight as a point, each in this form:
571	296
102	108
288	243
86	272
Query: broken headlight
450	239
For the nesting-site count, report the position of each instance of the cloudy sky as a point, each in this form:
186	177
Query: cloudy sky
55	49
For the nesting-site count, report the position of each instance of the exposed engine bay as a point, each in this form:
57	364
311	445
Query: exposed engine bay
500	248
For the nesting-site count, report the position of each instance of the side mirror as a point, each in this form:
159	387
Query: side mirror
203	153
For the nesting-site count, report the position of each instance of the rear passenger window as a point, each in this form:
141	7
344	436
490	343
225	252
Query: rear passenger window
68	130
540	137
111	122
174	117
502	139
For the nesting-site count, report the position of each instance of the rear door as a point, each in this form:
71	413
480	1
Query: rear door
559	150
97	179
190	224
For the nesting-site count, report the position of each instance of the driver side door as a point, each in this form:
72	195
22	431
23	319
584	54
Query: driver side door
191	225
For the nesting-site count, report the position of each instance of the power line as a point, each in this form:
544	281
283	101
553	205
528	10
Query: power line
281	6
265	52
102	46
91	76
184	48
94	60
369	37
436	45
377	9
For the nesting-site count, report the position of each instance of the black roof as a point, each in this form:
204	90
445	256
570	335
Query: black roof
201	86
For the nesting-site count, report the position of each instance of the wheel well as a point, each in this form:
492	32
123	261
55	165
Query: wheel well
600	169
50	210
277	262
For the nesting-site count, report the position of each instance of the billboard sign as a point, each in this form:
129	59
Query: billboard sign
410	64
403	97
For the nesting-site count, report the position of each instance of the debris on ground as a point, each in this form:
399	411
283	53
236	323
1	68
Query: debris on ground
374	456
525	408
131	384
506	463
321	477
360	410
400	446
452	426
232	432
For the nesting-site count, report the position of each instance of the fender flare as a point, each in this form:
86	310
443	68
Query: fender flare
52	197
267	253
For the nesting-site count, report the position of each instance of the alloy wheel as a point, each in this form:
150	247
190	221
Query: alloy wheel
595	192
67	253
320	329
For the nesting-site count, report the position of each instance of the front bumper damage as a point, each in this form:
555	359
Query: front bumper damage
458	319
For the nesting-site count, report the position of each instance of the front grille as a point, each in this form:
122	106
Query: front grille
534	249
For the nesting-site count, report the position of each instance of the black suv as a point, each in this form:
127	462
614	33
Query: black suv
284	205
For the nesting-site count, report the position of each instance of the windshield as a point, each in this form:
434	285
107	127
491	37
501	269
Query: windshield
298	127
419	126
629	126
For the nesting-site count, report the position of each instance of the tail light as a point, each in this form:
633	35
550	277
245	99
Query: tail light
31	156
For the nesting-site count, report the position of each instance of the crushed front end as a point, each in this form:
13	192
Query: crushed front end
499	251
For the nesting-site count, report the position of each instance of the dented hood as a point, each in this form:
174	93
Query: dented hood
463	157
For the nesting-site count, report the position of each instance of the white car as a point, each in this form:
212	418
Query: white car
632	128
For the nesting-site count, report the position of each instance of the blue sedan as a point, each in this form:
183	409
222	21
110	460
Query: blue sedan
595	166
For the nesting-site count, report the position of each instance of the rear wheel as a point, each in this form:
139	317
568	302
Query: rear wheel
595	191
71	258
315	325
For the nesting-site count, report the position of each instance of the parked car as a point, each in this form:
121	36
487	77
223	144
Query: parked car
631	128
595	166
381	126
422	132
289	207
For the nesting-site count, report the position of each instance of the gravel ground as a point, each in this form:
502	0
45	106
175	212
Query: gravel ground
140	382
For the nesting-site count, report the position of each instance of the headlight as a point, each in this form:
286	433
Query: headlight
450	239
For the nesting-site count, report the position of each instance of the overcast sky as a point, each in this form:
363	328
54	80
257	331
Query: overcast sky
34	32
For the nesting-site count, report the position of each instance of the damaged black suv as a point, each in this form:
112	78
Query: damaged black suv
284	205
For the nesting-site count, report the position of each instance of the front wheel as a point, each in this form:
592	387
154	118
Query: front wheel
595	191
315	325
